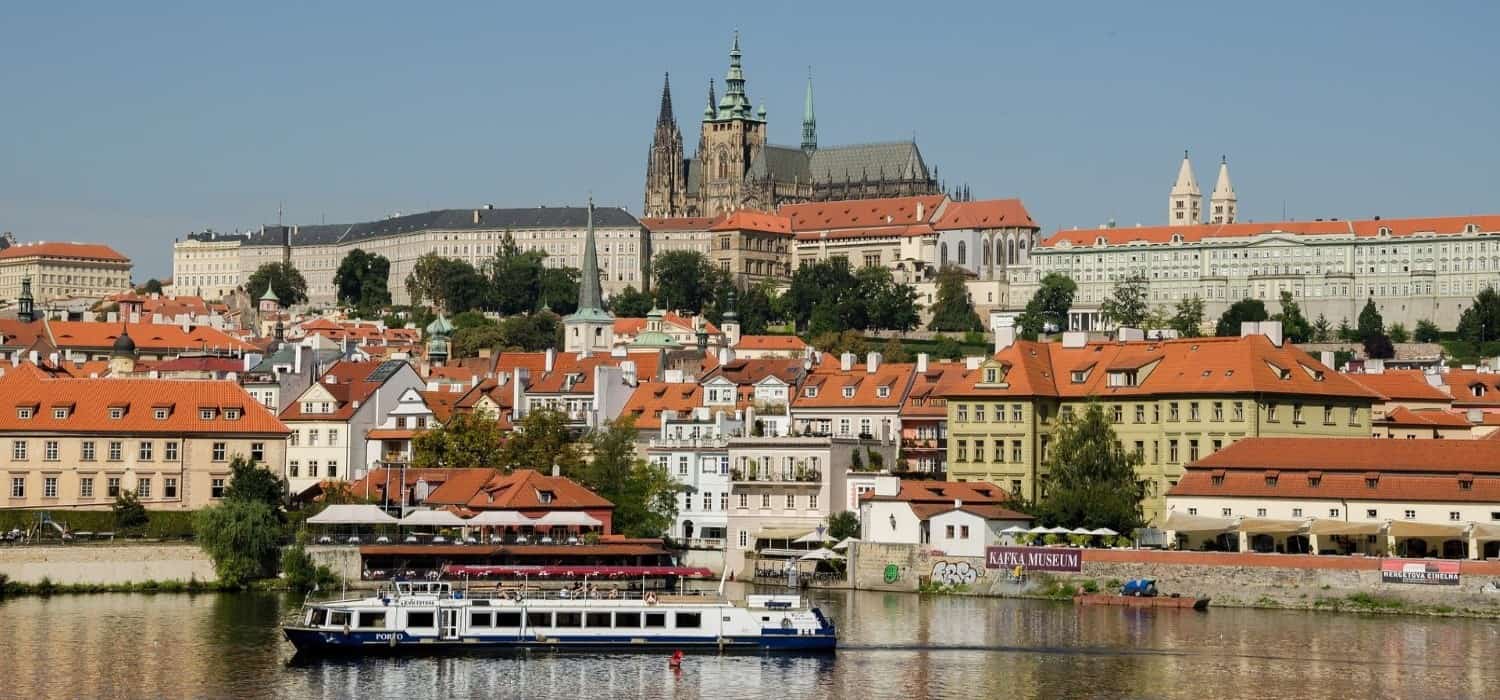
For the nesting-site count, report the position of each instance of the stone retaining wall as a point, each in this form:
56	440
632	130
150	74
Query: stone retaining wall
106	564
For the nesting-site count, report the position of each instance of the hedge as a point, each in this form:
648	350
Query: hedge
160	524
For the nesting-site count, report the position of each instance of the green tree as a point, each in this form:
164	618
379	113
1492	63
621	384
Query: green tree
1294	326
1480	323
532	332
894	351
539	441
1240	312
515	277
645	496
1370	322
1427	331
299	572
946	347
446	283
1346	332
466	440
1379	347
1187	317
1093	480
631	303
813	299
757	308
1322	329
685	280
1398	333
952	310
1048	306
361	280
242	537
467	342
843	524
888	305
840	343
152	286
1127	306
249	481
284	279
129	515
559	290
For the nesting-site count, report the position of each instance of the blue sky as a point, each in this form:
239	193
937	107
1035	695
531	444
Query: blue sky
134	123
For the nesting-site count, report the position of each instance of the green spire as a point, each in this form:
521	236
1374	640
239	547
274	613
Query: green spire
735	104
588	287
809	124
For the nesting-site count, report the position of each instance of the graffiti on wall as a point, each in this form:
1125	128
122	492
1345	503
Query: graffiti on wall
955	573
892	573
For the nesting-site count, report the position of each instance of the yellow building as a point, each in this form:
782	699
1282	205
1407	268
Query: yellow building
1172	402
63	270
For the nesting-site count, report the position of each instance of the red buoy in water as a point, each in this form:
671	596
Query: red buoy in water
676	659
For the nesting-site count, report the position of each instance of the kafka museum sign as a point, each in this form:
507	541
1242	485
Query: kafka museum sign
1034	558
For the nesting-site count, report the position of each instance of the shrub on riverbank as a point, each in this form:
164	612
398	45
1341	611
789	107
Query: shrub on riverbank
298	571
46	587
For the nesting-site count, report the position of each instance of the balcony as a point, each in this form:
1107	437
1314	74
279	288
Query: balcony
802	475
716	442
923	444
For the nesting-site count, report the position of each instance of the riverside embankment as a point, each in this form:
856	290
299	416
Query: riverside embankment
106	564
1230	579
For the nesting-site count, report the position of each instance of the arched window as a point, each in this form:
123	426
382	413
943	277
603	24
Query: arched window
942	255
1010	252
962	253
986	246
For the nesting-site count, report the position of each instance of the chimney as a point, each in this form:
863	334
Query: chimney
1075	339
920	211
1326	357
1272	330
1249	328
556	471
872	362
551	360
484	353
628	372
1005	336
1126	334
958	503
921	363
476	217
725	355
846	361
1475	416
1374	365
972	363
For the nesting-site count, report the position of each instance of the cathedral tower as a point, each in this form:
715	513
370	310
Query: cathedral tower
589	329
666	171
1186	201
1223	204
809	124
733	135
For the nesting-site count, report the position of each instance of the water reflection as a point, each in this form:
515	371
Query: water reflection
896	646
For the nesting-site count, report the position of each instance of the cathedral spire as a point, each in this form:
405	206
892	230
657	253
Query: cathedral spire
735	104
588	287
809	123
666	101
590	328
708	112
1223	202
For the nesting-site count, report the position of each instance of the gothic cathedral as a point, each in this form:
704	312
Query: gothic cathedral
735	167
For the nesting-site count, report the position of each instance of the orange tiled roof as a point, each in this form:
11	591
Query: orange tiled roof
862	213
148	337
92	399
1464	384
491	489
441	403
633	326
867	232
926	398
348	382
915	491
649	399
1433	418
1443	225
982	214
582	368
685	223
781	343
85	251
1400	385
15	334
747	220
831	381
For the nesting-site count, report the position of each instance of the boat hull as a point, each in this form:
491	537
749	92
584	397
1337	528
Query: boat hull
362	642
1142	601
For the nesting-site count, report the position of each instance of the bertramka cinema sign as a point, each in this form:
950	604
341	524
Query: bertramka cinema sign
1034	558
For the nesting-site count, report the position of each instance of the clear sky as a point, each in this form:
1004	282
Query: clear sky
134	123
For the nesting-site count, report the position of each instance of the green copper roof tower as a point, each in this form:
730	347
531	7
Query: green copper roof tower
735	104
809	123
590	328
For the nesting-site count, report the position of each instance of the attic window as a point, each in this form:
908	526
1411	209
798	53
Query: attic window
883	392
991	375
1122	378
1080	376
848	392
24	412
1316	374
810	392
160	414
205	414
1477	389
545	496
1281	372
231	414
1385	230
116	412
1471	228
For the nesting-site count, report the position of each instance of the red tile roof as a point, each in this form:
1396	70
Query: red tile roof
926	398
1357	455
983	214
1445	225
771	343
1435	418
491	489
630	326
649	399
157	338
1464	384
83	251
200	363
1401	385
91	399
348	382
582	370
916	491
441	403
862	213
831	381
15	334
746	220
686	223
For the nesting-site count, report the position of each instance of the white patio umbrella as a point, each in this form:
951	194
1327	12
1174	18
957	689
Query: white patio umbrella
813	537
568	517
1039	530
500	518
844	543
1014	530
1059	530
1080	531
824	554
352	515
433	518
1103	531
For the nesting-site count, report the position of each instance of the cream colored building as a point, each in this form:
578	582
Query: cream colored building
79	443
207	264
63	270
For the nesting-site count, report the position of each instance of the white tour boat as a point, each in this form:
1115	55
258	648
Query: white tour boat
433	616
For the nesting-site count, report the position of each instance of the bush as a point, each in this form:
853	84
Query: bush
1052	538
129	515
1091	586
1124	541
300	573
242	538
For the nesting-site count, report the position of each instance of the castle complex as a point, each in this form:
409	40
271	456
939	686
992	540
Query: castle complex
736	168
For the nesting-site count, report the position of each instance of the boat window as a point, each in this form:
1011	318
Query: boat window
508	619
538	619
319	617
418	619
627	619
687	620
569	619
656	619
597	619
338	618
371	619
481	619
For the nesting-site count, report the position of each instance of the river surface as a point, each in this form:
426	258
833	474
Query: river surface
893	646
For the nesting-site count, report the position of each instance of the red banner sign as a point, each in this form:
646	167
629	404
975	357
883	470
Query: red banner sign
1034	558
1431	572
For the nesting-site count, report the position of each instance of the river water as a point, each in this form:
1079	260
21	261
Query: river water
893	646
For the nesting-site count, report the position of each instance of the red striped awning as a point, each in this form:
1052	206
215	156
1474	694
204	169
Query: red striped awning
564	570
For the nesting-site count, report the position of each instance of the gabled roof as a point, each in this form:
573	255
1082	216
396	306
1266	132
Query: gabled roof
348	382
745	371
491	489
91	399
649	399
1357	455
1432	418
1401	385
148	337
832	381
1465	383
771	343
582	370
80	251
633	326
945	492
1443	225
925	400
862	213
984	214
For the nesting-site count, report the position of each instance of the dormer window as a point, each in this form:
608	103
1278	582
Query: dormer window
116	412
883	392
1079	376
205	414
545	496
810	392
1477	389
991	375
848	392
231	414
24	412
60	413
160	414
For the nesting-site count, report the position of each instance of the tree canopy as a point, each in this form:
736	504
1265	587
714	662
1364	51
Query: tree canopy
465	440
361	280
251	482
1127	305
685	280
1322	330
1480	323
631	303
1240	312
540	440
1371	323
829	296
1427	332
285	280
952	310
843	524
153	286
1048	307
242	533
1187	317
1093	482
644	494
1294	326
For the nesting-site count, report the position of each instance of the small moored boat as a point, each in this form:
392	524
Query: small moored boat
1141	593
434	616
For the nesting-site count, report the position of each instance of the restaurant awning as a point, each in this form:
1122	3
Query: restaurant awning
1267	525
1343	527
352	515
433	518
785	533
1182	522
568	518
566	570
1407	528
1486	531
813	537
824	554
500	518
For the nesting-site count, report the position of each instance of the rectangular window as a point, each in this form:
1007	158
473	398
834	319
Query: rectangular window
49	487
49	450
159	414
1454	515
682	465
112	487
205	414
1140	413
979	413
312	467
765	500
293	468
656	619
568	619
744	539
628	619
812	501
1327	415
949	531
1296	413
1192	450
744	500
216	488
86	487
999	451
87	451
1353	415
116	450
1271	412
169	487
1172	412
596	619
979	451
687	620
791	502
1015	451
18	450
1193	411
510	620
1333	512
1172	451
333	436
423	618
220	452
963	413
1117	413
1015	413
963	532
143	451
963	451
538	619
708	500
1410	514
257	452
1239	410
143	488
295	438
1218	410
18	487
1296	512
169	451
312	437
333	468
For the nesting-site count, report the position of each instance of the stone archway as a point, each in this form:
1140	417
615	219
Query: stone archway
1455	549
